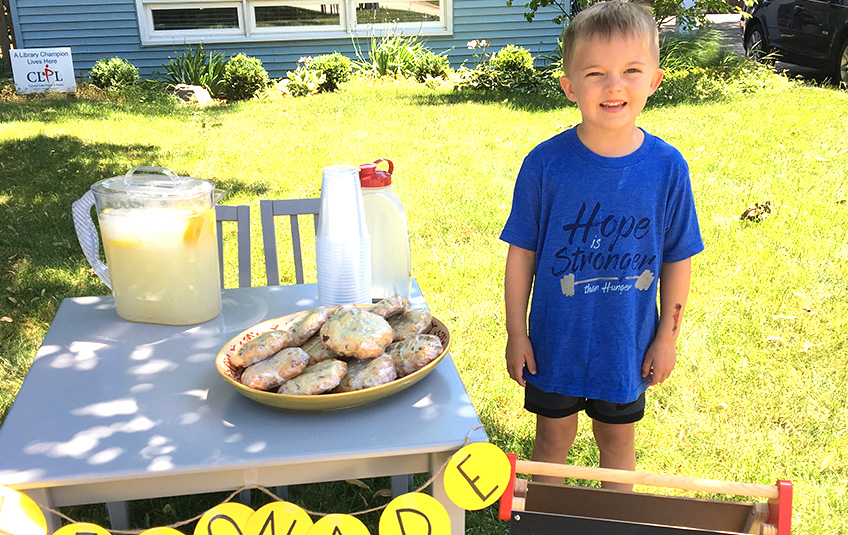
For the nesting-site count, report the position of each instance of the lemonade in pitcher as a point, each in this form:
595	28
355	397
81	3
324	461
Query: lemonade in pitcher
163	264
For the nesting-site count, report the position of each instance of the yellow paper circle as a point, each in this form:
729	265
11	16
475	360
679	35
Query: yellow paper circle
225	519
161	531
19	514
337	524
82	527
415	514
477	475
279	518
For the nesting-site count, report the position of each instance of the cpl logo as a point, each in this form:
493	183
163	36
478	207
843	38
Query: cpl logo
48	75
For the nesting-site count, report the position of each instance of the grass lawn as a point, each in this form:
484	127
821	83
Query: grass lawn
761	386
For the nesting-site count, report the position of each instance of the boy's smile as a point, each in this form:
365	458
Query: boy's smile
611	79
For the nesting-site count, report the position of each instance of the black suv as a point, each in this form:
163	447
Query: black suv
812	33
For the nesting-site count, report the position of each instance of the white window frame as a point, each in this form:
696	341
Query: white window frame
248	31
295	30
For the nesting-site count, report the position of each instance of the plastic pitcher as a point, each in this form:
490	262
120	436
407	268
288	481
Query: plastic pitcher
159	237
386	220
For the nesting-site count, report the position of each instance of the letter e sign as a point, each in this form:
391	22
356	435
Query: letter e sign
415	514
477	475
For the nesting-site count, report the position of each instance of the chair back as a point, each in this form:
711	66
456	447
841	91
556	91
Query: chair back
240	214
269	209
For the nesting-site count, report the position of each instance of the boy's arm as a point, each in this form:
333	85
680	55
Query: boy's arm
674	290
518	279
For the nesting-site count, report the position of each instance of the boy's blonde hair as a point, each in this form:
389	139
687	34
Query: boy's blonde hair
607	20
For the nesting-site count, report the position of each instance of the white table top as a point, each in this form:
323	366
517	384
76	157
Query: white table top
108	399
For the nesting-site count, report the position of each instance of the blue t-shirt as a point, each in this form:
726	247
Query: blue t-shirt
601	229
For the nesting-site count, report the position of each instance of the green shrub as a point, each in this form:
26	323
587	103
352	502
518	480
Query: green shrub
698	48
431	65
303	82
335	67
113	72
699	67
512	58
244	77
392	55
532	81
195	67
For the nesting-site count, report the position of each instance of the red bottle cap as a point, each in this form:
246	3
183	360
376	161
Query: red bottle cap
371	177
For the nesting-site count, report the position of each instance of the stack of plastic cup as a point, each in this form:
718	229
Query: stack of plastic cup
342	243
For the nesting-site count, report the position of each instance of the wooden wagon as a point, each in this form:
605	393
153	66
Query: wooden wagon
543	509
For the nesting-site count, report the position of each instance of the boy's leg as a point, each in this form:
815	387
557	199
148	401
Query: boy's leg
617	444
554	437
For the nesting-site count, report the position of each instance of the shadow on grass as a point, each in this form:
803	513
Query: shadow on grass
70	108
666	97
42	259
519	101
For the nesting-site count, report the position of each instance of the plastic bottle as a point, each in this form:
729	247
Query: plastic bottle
386	220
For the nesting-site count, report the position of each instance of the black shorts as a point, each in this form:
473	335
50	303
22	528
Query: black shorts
553	405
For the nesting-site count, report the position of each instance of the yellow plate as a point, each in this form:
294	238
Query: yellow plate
321	402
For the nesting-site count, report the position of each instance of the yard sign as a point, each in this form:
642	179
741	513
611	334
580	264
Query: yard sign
43	69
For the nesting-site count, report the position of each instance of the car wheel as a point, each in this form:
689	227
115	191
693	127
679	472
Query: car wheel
841	71
755	42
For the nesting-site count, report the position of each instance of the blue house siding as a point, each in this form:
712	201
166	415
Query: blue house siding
96	29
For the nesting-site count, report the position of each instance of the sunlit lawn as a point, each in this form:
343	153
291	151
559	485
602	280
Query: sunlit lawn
761	386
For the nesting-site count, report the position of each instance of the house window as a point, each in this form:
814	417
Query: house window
195	18
391	12
293	15
210	21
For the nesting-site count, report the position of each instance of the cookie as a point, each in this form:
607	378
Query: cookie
307	323
413	321
414	353
260	348
314	347
357	333
368	373
389	306
275	370
316	379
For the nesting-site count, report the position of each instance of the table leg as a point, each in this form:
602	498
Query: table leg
45	501
456	514
401	485
119	515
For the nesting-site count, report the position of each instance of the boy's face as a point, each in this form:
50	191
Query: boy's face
610	80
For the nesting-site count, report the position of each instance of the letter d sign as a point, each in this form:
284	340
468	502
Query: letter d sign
477	475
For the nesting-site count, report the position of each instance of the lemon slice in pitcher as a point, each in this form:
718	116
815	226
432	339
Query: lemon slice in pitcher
194	227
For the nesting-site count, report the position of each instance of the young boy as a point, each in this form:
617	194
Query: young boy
602	215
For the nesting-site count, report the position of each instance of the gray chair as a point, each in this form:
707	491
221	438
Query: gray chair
239	214
268	210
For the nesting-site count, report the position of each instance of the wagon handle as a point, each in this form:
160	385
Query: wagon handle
643	478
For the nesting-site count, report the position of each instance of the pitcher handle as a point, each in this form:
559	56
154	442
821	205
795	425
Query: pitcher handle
148	170
87	236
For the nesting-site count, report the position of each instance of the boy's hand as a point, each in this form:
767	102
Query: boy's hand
519	353
659	360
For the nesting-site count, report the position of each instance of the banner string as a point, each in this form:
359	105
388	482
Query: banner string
269	493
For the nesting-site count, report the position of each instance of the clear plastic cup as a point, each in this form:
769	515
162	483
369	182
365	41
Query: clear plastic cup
342	243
